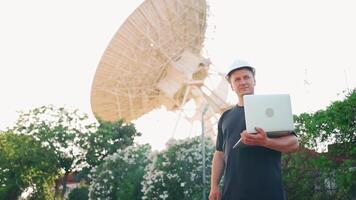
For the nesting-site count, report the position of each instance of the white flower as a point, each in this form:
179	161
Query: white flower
164	195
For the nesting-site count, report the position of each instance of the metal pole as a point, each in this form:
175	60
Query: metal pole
203	148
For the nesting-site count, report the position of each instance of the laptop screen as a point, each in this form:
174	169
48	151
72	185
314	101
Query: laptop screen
272	113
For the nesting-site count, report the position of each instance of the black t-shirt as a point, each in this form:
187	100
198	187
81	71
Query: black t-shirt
251	172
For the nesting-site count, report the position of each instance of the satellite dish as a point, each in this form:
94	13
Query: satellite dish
155	59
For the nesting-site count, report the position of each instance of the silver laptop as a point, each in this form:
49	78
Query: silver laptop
272	113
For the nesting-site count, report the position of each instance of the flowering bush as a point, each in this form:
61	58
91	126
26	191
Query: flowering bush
120	176
176	173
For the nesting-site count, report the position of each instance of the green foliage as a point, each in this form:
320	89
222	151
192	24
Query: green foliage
74	140
308	177
58	130
336	124
176	173
331	175
43	191
120	175
106	140
79	194
25	163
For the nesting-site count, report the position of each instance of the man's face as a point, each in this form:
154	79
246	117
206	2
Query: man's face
242	82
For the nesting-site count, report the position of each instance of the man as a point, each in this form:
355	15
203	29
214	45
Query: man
251	171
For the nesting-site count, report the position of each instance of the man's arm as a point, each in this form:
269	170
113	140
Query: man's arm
283	144
217	170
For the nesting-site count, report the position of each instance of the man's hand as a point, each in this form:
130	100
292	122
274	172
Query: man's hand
215	193
288	143
260	138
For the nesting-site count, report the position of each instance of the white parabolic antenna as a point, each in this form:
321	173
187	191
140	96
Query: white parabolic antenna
155	59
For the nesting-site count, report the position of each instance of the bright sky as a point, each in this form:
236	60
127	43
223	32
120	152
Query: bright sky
49	51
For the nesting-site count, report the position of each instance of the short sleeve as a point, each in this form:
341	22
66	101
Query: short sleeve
220	136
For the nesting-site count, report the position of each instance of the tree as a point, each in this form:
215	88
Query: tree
59	130
176	173
327	175
121	174
336	124
107	138
25	163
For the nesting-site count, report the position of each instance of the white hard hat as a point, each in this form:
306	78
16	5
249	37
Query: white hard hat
238	63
